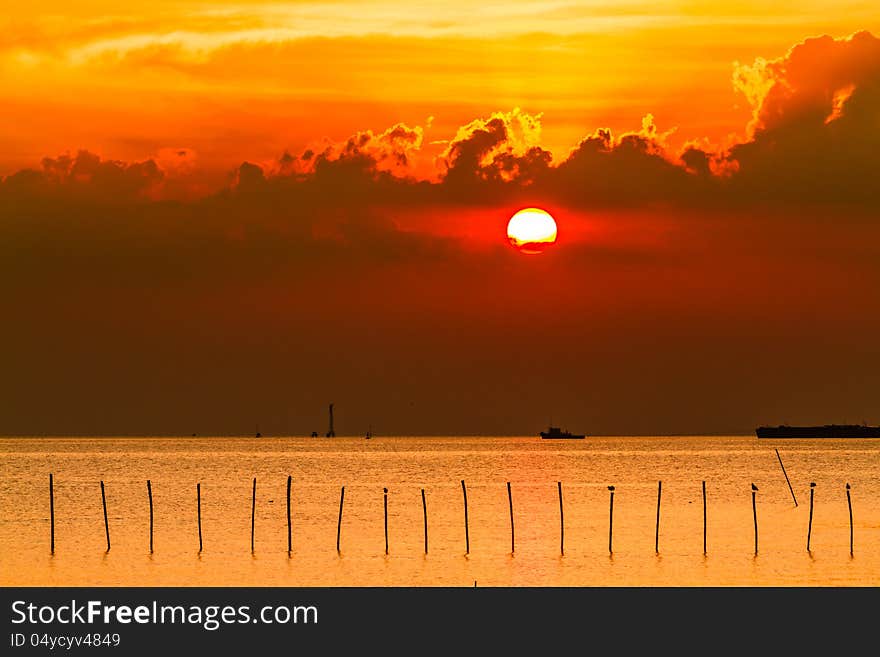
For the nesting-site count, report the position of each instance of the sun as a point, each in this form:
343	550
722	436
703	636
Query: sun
531	230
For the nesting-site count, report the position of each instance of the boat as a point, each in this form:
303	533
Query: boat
823	431
556	432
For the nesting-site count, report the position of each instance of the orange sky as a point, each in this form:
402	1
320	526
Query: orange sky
217	215
247	80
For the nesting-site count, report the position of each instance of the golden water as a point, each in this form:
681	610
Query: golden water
225	467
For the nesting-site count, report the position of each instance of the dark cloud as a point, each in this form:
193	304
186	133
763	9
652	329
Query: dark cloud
249	178
489	157
813	136
696	160
88	177
386	151
631	169
815	133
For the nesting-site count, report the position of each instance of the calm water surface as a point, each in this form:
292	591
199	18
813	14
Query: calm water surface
225	468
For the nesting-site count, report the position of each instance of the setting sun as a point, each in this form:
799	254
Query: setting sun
531	230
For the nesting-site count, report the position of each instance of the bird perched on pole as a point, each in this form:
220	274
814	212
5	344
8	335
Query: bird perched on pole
754	487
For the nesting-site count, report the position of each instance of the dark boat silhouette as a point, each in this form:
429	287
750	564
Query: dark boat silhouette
823	431
556	432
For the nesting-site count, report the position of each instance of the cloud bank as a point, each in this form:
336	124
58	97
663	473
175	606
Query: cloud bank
813	136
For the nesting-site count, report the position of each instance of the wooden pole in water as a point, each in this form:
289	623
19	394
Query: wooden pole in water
150	496
610	518
199	508
52	514
657	530
339	522
385	492
786	478
755	514
561	520
106	524
467	540
425	513
289	539
704	517
510	504
849	504
253	512
810	525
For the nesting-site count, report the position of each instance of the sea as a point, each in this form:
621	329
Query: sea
440	511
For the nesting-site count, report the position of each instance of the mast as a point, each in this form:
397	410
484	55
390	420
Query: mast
330	432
